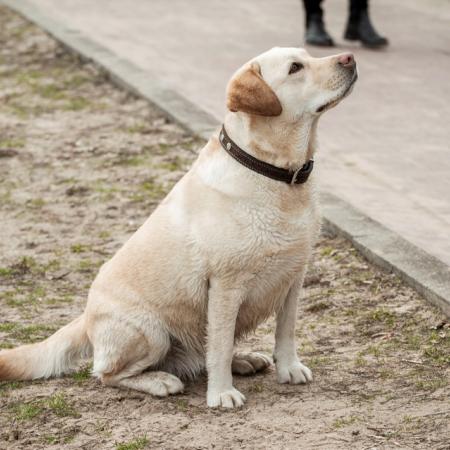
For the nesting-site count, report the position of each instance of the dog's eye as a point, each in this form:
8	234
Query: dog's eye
295	67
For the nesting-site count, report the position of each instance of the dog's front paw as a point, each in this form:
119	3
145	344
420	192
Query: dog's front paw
230	398
294	373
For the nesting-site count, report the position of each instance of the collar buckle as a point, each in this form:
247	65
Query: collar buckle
294	176
305	170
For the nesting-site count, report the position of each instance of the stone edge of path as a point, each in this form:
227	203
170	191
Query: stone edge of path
381	246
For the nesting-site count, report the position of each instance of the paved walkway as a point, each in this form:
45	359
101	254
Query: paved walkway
385	149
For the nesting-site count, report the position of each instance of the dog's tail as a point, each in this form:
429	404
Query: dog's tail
55	356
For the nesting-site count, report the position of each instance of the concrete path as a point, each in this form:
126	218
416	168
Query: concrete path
385	149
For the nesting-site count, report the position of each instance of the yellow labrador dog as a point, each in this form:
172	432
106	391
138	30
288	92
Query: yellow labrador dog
227	248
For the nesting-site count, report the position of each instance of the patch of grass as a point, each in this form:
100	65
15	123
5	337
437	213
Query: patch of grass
36	203
7	327
83	374
106	190
437	347
414	341
21	111
64	437
152	187
382	315
136	444
75	81
29	77
350	312
192	144
407	419
256	388
49	91
59	405
38	292
326	251
390	434
20	31
68	181
386	373
182	404
31	333
175	164
7	386
317	361
21	298
342	422
6	197
374	350
131	161
326	293
360	361
64	299
163	147
50	439
317	307
27	411
79	248
6	345
431	384
53	264
77	104
87	265
368	396
139	128
150	190
26	264
12	143
102	427
306	347
15	302
5	272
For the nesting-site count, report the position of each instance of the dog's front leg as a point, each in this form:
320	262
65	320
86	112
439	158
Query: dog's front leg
223	307
289	367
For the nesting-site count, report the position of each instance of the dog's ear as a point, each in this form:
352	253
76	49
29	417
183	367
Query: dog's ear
249	93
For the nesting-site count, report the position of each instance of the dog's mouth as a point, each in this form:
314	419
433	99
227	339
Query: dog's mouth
335	101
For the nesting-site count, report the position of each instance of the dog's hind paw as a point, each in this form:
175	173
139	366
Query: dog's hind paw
250	363
230	398
159	384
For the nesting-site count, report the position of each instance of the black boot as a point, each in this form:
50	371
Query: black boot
316	33
360	28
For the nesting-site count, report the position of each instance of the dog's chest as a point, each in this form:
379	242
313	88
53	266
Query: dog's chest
276	253
272	240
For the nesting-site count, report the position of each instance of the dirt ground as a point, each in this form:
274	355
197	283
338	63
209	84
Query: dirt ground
82	164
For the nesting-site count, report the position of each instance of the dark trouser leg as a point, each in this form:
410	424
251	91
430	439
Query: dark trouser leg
312	8
315	28
359	26
356	6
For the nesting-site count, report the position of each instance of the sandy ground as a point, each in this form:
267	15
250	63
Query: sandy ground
82	164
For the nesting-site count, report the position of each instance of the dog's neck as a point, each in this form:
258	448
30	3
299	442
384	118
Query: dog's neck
274	140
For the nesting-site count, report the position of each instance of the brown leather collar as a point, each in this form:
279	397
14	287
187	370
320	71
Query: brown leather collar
298	176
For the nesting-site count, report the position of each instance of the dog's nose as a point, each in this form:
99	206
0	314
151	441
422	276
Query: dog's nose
346	60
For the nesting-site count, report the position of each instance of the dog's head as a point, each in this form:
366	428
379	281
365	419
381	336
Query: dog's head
290	82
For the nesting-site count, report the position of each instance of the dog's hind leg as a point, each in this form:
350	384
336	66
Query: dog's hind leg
122	352
159	384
